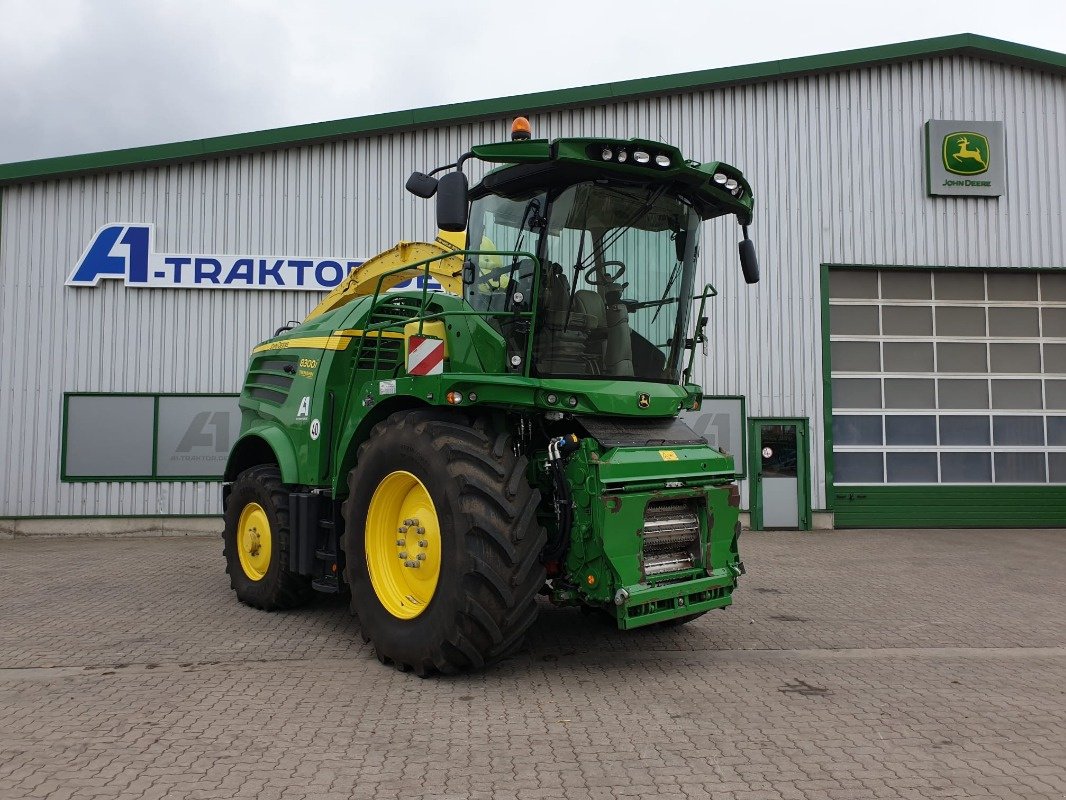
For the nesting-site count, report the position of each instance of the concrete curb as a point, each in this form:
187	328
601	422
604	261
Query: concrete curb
110	527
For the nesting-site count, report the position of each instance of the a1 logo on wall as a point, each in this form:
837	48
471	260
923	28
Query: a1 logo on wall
207	429
124	250
966	153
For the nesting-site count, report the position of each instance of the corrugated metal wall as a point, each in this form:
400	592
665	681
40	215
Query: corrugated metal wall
836	161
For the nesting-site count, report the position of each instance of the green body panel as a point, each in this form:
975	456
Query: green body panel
640	465
612	491
314	376
275	438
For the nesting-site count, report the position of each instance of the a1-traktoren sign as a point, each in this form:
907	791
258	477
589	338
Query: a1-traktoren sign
965	158
124	250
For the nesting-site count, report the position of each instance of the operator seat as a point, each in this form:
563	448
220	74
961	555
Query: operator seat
593	338
561	338
606	321
618	349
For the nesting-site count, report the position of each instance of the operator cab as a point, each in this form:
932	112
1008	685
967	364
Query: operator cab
618	270
599	239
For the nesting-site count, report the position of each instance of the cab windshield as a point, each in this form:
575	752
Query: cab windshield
618	268
620	264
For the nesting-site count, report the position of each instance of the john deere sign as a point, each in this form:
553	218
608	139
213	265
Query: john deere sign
965	158
965	153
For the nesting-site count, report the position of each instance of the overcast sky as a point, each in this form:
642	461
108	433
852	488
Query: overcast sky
79	76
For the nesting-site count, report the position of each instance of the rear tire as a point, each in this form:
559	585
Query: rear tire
256	542
477	609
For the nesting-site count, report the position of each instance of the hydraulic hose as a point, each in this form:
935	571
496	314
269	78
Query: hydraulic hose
558	451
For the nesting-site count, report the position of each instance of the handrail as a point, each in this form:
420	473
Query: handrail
698	335
420	316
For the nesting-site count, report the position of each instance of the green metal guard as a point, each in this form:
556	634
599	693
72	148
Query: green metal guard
421	317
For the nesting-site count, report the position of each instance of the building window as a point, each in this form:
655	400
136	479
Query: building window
147	437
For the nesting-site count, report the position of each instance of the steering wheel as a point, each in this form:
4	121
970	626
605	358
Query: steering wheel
601	276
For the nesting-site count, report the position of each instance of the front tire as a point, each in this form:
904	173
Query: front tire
256	542
442	541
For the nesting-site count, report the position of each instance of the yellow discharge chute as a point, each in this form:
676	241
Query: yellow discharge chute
363	280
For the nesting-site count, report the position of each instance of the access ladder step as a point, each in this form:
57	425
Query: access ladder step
327	584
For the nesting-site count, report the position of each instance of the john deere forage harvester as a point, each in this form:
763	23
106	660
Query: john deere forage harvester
465	424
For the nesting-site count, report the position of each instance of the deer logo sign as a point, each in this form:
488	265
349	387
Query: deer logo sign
966	153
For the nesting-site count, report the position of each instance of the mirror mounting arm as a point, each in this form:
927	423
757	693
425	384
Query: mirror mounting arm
424	185
455	164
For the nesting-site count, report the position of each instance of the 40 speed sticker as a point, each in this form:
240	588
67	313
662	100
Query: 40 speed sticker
316	429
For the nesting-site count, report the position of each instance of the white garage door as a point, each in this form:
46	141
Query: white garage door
948	377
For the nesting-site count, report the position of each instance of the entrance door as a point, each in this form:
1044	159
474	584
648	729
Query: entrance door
780	487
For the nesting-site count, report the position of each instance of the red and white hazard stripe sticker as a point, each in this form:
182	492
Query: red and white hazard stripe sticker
425	356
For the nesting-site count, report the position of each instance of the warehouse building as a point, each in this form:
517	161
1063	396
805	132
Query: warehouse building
902	362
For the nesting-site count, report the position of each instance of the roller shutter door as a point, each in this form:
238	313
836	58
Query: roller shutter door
948	397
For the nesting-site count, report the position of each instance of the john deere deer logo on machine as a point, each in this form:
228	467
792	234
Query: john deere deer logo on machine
966	153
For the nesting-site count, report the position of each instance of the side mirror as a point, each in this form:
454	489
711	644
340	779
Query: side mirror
421	185
749	264
451	202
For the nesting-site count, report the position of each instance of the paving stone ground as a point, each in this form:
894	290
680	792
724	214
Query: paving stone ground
875	664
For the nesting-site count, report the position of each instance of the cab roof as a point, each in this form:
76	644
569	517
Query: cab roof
540	164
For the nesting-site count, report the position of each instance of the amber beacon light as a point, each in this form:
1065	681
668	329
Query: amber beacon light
520	129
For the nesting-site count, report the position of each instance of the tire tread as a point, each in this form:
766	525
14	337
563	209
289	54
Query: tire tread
503	542
285	589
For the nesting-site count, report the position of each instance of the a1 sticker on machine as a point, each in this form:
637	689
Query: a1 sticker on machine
305	408
425	356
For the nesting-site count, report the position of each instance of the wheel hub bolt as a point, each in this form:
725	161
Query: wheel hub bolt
401	542
421	556
423	543
421	531
413	564
403	554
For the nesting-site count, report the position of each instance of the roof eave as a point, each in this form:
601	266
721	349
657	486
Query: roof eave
456	113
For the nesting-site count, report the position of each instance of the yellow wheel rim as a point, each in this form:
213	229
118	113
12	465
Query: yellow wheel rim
402	545
253	541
